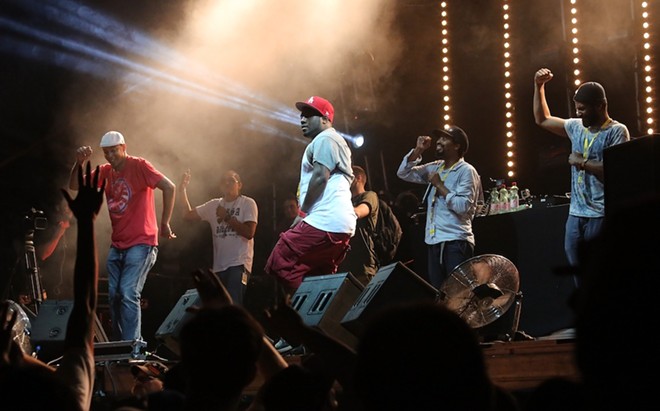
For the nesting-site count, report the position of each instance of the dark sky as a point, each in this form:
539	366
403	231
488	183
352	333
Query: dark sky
384	83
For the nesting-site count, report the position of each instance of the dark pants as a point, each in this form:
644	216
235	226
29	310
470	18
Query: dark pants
235	280
444	257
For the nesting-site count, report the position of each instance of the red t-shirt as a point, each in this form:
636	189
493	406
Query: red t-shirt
130	197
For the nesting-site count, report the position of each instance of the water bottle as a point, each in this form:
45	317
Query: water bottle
514	198
494	201
504	199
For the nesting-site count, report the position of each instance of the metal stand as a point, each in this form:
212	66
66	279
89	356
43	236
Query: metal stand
34	278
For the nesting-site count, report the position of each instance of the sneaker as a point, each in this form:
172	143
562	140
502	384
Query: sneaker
282	346
299	350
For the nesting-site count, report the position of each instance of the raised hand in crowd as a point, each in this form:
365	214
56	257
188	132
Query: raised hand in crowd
7	346
210	289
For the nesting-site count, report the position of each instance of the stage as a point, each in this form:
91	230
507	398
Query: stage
523	365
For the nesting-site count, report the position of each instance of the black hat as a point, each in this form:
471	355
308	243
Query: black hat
455	133
590	93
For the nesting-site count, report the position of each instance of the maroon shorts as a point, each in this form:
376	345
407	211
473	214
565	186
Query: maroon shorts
304	251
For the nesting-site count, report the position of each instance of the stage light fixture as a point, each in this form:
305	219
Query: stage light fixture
648	68
508	95
85	40
446	78
358	141
574	39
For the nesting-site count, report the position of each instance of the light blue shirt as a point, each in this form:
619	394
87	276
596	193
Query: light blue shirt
587	191
450	218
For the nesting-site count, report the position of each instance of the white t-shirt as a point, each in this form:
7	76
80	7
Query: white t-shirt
333	212
229	248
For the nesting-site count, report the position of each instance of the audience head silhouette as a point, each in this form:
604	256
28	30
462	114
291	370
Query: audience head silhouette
219	351
421	356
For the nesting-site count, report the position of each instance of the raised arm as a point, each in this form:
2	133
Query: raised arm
187	211
85	208
423	143
83	154
542	114
410	172
76	369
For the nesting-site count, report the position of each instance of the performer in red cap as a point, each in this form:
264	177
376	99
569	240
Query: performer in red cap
130	196
317	243
591	133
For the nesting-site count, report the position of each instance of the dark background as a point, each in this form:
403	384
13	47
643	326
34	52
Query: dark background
39	132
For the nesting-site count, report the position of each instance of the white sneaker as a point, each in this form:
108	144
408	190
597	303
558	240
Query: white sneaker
282	346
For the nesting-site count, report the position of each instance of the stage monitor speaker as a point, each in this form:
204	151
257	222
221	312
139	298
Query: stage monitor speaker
322	301
168	332
393	284
632	172
49	328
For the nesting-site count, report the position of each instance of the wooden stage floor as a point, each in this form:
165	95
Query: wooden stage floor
523	365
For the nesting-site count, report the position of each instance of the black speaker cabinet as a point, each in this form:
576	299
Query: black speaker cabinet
392	284
322	301
632	172
534	242
49	328
168	332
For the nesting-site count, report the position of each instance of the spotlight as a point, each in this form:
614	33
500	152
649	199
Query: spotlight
355	141
358	141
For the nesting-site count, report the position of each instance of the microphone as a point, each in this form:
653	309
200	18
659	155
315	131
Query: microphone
426	194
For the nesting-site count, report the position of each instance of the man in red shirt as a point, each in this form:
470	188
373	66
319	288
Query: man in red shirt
129	193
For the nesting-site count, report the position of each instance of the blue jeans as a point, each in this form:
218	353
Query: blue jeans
127	273
444	257
578	231
235	280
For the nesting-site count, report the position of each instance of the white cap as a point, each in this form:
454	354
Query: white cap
112	138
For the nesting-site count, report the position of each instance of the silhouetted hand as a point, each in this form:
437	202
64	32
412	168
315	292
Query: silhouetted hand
88	202
211	290
10	353
285	321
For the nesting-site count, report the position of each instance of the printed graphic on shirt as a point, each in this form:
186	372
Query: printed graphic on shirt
120	195
224	229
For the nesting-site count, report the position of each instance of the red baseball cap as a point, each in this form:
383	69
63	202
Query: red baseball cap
318	104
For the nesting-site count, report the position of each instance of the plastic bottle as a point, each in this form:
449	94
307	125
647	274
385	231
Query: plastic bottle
494	201
504	199
514	197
